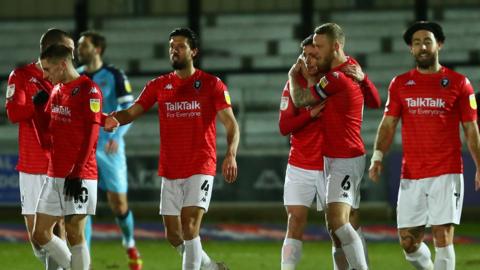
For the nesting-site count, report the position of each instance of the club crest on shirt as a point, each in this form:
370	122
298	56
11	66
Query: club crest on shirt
284	103
227	97
473	101
445	82
10	91
75	91
197	84
95	105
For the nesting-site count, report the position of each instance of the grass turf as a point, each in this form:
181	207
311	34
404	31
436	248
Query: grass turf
245	255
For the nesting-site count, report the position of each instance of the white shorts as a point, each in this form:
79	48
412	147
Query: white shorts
430	201
303	186
176	194
30	187
343	177
53	202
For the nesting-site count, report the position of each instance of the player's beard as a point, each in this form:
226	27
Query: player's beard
324	65
85	59
425	63
178	65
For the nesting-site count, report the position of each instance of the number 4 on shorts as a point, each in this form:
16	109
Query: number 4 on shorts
205	186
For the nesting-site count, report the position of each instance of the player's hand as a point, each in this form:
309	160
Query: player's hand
375	170
40	98
111	124
355	72
111	147
316	110
73	186
298	68
229	169
477	180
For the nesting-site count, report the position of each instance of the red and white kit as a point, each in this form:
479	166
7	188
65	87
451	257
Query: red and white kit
75	111
23	84
187	110
431	107
342	143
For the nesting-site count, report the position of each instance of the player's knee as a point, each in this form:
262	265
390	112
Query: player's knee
119	206
74	235
409	245
335	222
443	236
39	237
119	209
174	238
173	233
296	224
190	229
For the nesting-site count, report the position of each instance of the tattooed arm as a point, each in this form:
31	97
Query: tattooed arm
301	97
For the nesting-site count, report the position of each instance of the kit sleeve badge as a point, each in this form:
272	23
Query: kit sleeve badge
95	105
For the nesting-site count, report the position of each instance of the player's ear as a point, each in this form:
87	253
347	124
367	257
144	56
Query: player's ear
440	45
337	45
194	52
64	64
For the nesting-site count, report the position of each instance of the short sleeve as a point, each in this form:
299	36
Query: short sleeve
221	95
148	96
393	107
467	102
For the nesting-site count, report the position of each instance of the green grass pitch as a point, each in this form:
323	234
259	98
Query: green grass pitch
238	255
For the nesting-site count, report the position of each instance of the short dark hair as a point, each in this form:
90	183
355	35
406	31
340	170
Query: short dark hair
51	37
189	34
98	40
333	31
57	52
433	27
307	41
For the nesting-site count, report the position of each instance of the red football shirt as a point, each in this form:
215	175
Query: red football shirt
306	132
187	110
342	115
431	107
73	107
23	83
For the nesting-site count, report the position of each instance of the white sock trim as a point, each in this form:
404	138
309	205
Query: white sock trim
58	250
445	258
80	256
421	258
352	246
192	257
291	252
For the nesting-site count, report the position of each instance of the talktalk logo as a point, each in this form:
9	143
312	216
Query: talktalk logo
425	102
62	110
183	105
